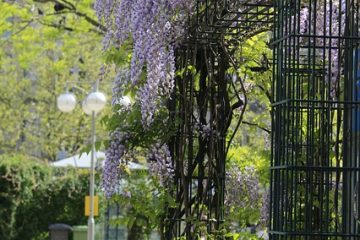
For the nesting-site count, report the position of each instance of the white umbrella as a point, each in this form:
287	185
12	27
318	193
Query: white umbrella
84	161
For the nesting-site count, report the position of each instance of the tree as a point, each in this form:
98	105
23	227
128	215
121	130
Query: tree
42	45
34	195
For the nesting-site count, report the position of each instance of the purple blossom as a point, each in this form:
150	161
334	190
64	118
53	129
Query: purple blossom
304	18
160	164
113	155
242	187
155	27
265	208
204	130
317	22
121	80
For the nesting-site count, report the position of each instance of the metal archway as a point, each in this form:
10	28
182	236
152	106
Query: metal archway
202	102
315	116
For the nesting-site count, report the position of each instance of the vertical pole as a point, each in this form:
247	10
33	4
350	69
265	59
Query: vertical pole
91	221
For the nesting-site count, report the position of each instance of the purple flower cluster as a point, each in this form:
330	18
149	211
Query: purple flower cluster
113	155
265	208
317	22
121	79
155	27
242	188
160	164
204	130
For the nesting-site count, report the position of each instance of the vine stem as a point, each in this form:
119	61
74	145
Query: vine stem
232	61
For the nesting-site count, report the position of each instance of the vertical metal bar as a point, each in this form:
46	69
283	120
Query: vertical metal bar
91	220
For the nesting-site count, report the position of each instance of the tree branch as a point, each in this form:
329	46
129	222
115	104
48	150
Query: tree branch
72	9
54	25
267	93
91	21
17	32
232	61
256	125
72	6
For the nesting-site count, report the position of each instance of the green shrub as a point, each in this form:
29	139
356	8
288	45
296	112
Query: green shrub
34	195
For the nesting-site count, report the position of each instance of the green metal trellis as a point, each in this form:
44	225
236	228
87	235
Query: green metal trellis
315	133
202	102
315	166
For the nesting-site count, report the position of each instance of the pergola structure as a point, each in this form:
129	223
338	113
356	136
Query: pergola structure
315	116
315	130
205	98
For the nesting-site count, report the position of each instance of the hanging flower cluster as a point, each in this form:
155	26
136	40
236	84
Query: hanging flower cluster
204	130
160	164
242	188
121	79
326	21
154	26
120	150
113	159
265	208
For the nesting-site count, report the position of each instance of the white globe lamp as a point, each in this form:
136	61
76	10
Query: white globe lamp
125	101
96	101
66	102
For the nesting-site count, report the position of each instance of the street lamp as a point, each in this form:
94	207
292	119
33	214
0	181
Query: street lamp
93	104
66	102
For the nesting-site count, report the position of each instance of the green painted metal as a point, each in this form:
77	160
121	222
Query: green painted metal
199	156
316	118
315	167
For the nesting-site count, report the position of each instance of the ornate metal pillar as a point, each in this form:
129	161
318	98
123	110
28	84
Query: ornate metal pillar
315	143
202	107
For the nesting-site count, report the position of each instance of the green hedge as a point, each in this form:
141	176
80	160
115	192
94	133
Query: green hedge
34	195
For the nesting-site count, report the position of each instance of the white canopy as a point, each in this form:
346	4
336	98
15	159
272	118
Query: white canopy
84	161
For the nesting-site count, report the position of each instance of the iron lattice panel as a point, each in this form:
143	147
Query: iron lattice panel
202	101
315	169
199	154
215	19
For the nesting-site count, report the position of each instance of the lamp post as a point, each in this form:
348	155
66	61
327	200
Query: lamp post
94	103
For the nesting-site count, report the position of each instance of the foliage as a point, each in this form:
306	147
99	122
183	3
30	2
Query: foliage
130	141
129	120
34	195
248	157
40	48
137	188
154	27
246	198
254	68
143	201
